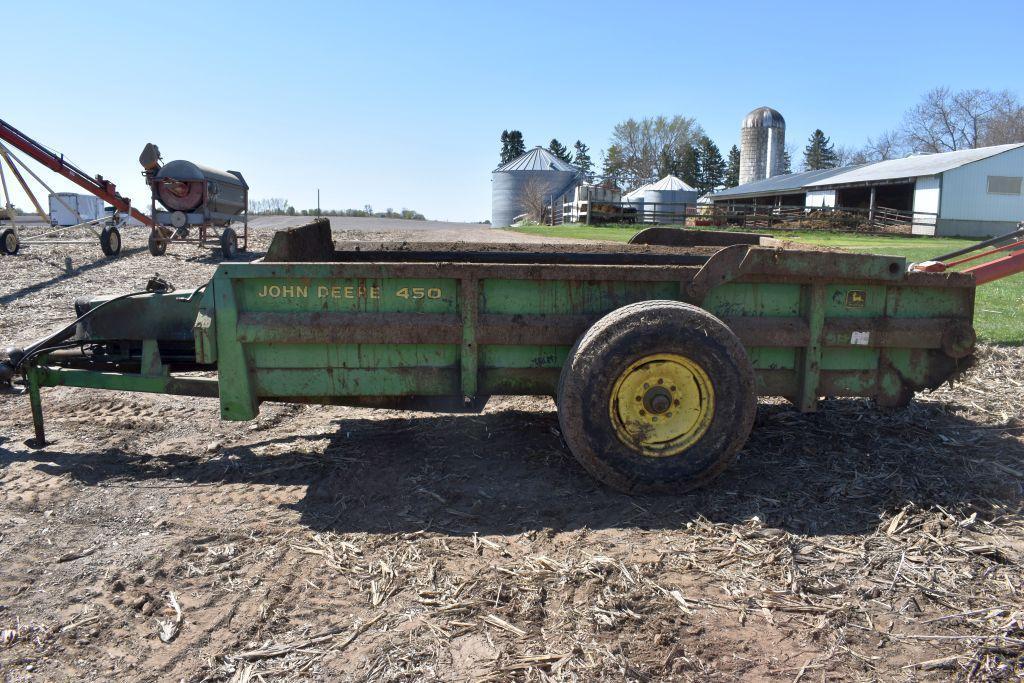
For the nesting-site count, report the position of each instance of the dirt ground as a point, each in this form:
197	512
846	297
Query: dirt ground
335	544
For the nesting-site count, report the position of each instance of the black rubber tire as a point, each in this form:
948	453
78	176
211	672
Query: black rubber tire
229	243
110	241
9	243
623	337
157	247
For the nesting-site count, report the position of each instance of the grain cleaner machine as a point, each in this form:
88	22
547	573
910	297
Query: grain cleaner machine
655	354
195	197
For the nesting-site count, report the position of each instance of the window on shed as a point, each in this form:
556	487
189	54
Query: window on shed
1004	184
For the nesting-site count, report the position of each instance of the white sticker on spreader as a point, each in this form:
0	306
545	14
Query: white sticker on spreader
860	338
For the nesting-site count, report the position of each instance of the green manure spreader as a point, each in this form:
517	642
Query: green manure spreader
655	351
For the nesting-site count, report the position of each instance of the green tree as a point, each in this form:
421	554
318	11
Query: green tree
732	168
787	163
559	150
710	165
512	145
583	160
668	162
612	169
820	152
687	166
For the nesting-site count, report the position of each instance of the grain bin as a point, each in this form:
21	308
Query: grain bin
762	145
666	201
537	173
635	200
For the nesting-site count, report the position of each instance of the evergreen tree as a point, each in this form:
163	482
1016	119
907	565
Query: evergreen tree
559	150
668	162
516	146
820	152
732	168
512	145
787	163
687	166
612	167
710	165
583	160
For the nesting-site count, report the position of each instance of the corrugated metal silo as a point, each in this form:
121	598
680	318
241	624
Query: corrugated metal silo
762	145
635	199
664	201
538	170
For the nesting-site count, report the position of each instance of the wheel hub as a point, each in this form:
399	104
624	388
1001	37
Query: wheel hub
657	400
662	404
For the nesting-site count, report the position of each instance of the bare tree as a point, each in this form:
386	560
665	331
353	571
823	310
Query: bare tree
535	200
639	145
889	145
945	121
1006	124
846	156
269	206
792	151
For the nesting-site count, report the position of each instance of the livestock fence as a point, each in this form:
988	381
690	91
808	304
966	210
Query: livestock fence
777	217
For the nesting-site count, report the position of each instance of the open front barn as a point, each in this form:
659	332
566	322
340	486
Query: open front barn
972	192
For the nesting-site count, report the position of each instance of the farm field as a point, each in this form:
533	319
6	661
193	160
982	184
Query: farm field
339	544
999	308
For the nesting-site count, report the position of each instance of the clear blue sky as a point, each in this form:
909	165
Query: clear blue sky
401	104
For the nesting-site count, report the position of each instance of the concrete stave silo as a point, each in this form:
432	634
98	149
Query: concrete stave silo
762	145
538	170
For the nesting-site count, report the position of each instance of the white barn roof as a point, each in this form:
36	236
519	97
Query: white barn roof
912	166
879	171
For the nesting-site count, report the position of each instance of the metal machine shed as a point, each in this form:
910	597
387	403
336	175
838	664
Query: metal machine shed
971	192
790	183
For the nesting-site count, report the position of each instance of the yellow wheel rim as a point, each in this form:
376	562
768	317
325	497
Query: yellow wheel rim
662	404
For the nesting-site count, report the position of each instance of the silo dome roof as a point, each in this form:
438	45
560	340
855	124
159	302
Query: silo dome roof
669	182
537	159
764	117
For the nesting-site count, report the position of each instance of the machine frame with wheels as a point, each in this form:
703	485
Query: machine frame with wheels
105	229
656	355
226	239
